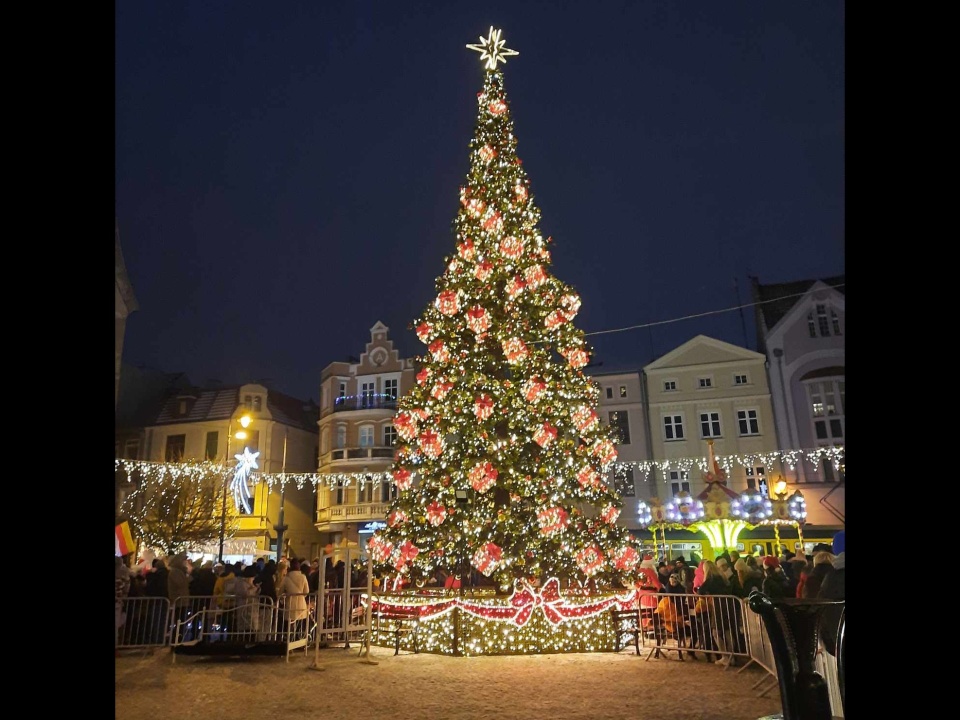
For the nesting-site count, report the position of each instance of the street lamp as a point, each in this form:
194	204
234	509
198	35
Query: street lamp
780	488
241	435
280	527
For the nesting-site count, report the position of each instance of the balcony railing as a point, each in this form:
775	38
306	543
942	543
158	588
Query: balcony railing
358	512
362	453
369	401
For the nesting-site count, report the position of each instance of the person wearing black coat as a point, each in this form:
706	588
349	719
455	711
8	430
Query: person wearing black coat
266	579
832	587
203	580
156	610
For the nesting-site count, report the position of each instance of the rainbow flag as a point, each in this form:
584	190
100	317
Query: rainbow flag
124	540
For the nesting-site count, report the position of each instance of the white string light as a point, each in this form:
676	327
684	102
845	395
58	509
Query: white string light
197	472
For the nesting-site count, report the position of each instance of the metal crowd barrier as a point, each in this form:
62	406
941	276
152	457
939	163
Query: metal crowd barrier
146	624
720	626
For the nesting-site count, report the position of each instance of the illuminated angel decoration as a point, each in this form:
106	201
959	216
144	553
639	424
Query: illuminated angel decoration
246	462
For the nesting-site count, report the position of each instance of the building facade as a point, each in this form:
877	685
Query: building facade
707	389
623	407
202	424
358	401
801	330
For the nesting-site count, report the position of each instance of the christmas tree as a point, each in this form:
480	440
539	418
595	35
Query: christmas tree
501	455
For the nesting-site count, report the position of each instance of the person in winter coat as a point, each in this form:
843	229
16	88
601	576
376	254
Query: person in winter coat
686	574
204	580
267	580
121	588
293	592
248	604
178	582
774	581
156	608
832	588
822	565
751	578
178	593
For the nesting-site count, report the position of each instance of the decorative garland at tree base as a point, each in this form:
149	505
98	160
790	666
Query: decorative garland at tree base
531	621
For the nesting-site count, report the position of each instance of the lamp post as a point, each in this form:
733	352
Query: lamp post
280	527
241	435
780	490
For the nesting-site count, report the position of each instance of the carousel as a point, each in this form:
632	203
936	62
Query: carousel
720	514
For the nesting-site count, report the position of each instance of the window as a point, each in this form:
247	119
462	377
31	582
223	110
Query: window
705	382
366	436
822	323
621	427
826	467
183	407
176	446
825	320
365	490
366	394
739	379
710	425
341	436
338	495
324	441
213	440
388	491
673	427
826	399
256	403
623	482
609	393
389	436
669	385
756	479
623	391
679	482
342	392
390	388
747	422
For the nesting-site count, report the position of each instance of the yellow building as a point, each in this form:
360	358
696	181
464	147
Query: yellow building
358	401
202	424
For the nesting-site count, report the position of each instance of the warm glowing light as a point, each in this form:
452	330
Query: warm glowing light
492	50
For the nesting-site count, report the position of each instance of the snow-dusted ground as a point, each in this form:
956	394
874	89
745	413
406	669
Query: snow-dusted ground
597	686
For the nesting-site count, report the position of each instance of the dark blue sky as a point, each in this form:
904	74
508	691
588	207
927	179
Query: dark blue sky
287	174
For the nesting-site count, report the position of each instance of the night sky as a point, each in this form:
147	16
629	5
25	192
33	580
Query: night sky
287	174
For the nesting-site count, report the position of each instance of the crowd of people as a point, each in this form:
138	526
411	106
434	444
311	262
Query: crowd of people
236	589
719	583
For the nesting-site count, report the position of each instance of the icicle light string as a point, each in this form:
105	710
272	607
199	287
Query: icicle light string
198	472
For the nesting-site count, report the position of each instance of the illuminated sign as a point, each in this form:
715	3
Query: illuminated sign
372	527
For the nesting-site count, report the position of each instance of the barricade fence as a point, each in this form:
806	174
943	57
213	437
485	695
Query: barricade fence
720	627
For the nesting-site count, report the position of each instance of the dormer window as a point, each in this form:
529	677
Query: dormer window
184	405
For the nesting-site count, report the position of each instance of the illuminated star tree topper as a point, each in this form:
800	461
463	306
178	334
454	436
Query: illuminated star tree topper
491	49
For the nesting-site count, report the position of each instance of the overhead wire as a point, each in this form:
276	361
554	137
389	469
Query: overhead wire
702	314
